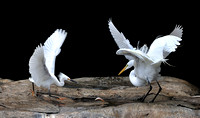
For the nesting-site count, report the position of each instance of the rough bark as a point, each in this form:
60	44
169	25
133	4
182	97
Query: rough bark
178	98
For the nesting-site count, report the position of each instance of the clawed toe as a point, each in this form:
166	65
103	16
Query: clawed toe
32	92
141	99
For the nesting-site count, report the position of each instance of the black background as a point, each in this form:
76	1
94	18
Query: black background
89	49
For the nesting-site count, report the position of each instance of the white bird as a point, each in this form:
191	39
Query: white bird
42	62
146	62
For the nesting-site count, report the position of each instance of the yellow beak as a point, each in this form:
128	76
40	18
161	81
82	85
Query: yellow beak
123	70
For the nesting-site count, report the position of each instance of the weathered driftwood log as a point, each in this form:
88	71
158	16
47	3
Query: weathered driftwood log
178	98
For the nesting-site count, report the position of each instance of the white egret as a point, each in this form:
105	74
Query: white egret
146	62
42	62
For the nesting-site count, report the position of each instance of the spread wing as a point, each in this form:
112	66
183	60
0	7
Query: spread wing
119	38
178	31
162	47
37	66
135	54
52	48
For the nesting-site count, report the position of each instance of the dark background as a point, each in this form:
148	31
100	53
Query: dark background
89	49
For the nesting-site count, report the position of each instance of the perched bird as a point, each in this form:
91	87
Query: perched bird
146	61
42	62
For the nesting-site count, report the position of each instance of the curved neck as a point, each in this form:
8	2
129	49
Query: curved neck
130	64
61	82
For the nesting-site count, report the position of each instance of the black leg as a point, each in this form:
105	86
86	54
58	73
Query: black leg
33	87
150	88
49	93
53	96
157	92
33	91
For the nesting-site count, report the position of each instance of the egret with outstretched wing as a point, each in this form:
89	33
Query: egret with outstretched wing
42	62
146	61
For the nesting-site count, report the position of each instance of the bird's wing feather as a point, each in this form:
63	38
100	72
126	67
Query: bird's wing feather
52	48
178	31
37	66
162	47
119	38
135	54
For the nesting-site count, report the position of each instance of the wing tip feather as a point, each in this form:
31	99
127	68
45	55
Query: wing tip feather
61	31
179	27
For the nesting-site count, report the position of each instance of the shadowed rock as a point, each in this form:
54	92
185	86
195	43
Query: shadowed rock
178	98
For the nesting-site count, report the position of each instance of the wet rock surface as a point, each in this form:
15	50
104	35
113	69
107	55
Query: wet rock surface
178	98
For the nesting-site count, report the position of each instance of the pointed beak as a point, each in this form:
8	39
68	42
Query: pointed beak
123	70
72	80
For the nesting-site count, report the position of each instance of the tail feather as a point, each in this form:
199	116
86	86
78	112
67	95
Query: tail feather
163	61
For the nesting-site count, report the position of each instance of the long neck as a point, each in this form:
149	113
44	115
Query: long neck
61	82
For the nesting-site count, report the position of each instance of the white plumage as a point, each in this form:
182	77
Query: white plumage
146	62
42	62
120	39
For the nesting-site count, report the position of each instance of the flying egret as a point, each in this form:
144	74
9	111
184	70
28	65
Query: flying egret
146	62
42	62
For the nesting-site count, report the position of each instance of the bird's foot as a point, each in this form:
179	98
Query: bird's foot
151	101
58	98
32	92
141	99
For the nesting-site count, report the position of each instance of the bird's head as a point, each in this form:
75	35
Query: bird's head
65	77
128	65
